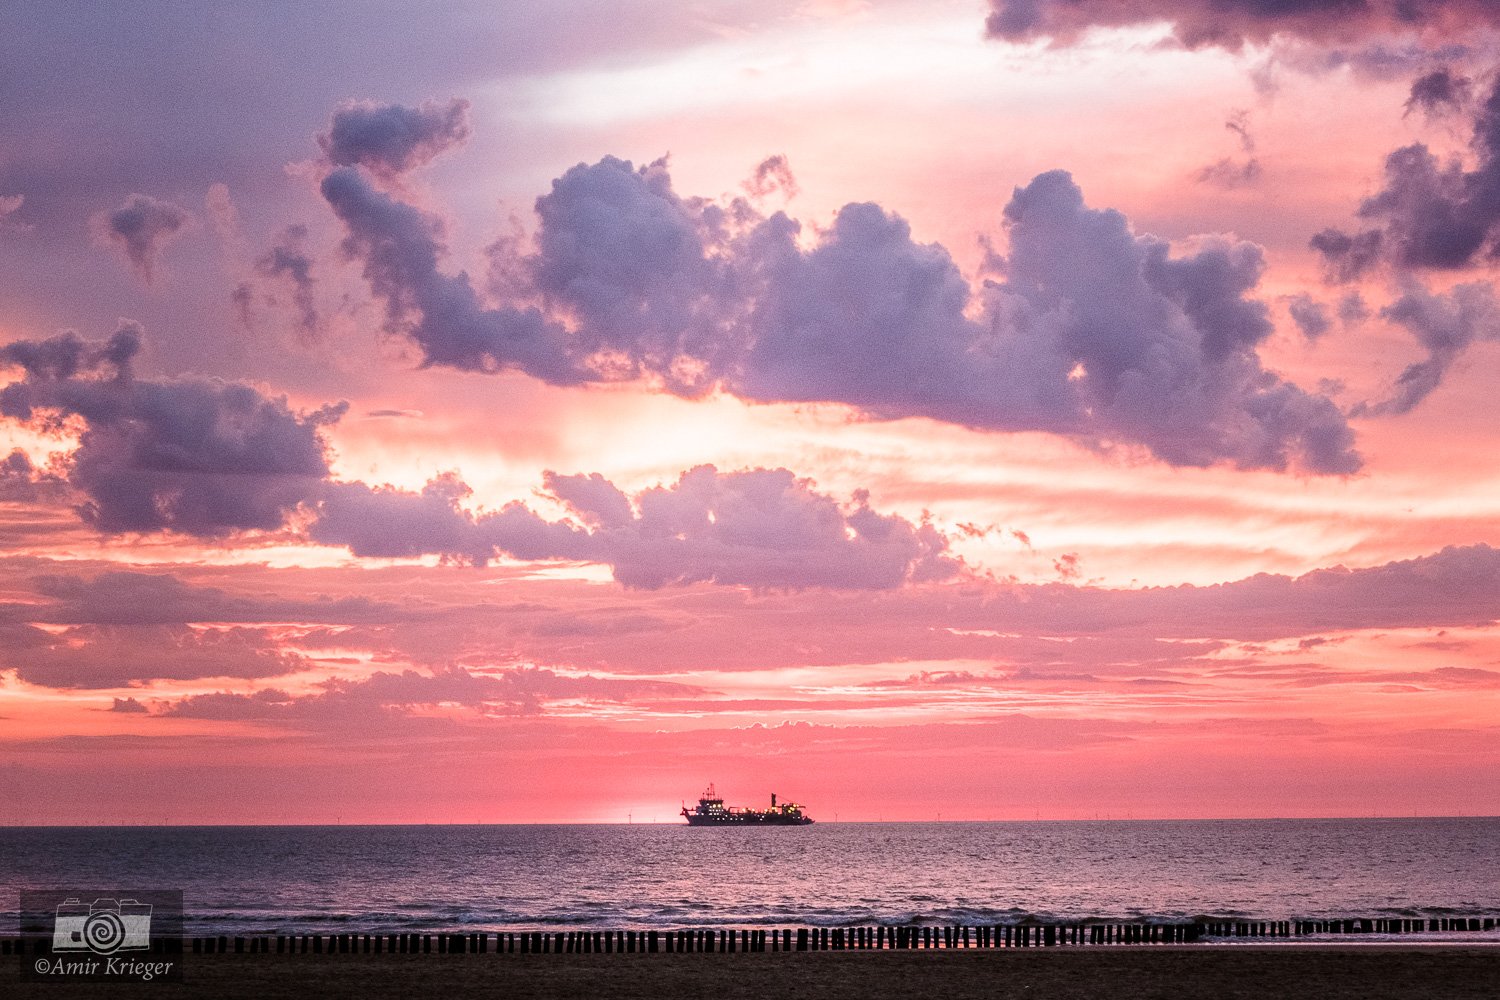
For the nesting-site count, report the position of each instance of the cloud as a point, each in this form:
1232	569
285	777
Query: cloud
22	482
1232	23
288	261
208	458
1440	92
520	691
400	247
761	528
645	273
391	139
111	656
1445	324
1347	258
197	456
773	175
1310	315
121	597
1156	348
1431	214
141	227
1230	173
631	280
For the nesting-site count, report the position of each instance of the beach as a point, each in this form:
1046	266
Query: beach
1237	971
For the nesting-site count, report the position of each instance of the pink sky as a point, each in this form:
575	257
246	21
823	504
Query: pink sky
994	410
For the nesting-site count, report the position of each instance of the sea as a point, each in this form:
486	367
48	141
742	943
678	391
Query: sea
392	879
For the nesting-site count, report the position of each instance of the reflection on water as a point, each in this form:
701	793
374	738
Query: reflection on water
304	878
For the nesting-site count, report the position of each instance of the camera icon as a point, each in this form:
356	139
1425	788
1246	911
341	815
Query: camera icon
103	927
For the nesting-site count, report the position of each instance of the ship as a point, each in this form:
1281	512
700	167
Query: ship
711	812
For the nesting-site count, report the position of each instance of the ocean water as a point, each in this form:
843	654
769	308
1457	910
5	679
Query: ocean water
246	880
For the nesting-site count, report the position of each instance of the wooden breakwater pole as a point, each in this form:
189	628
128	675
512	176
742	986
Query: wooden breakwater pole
880	937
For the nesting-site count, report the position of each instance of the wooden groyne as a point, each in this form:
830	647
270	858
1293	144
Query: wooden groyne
877	937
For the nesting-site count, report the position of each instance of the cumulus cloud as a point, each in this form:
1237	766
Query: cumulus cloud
1431	213
208	458
141	227
391	139
645	273
197	456
1097	332
761	528
1232	23
1154	347
400	247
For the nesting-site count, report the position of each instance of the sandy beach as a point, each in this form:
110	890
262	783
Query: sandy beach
1248	972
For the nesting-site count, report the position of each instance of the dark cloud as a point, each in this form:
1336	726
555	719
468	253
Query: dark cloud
242	297
391	139
208	458
1445	324
197	456
1431	213
22	482
1352	308
111	656
288	261
1441	92
129	706
141	227
1310	315
1436	214
400	247
761	528
1097	333
1347	258
1232	23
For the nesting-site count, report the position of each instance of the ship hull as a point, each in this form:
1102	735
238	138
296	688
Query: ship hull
742	819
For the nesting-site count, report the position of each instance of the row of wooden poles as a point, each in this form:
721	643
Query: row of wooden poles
876	938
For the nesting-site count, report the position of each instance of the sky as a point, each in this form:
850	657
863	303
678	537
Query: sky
533	412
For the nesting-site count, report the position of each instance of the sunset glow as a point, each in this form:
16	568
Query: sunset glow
989	409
